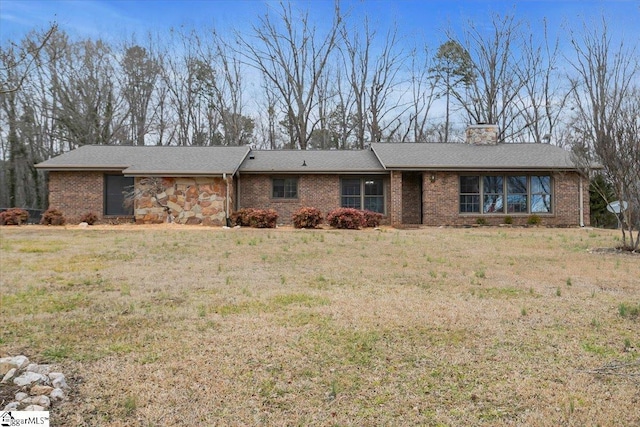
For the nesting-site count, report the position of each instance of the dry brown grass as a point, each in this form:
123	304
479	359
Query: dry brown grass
175	324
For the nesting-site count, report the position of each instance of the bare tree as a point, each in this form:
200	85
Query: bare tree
25	57
493	93
543	98
606	101
292	56
423	91
140	71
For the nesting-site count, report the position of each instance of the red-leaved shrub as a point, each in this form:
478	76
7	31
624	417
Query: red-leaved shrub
257	218
52	216
372	219
14	216
307	218
242	217
347	218
89	217
264	218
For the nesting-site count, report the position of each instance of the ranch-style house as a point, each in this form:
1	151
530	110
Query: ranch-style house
409	183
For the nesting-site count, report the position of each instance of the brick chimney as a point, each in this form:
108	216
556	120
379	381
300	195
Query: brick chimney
482	134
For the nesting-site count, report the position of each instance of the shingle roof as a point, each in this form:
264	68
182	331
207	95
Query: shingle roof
472	157
297	161
150	160
175	161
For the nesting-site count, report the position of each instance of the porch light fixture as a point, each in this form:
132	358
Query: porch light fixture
433	177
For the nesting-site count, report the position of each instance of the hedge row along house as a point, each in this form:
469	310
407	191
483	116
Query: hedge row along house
409	183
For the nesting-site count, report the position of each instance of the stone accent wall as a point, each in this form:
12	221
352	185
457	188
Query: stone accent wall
189	200
318	191
484	134
76	193
441	198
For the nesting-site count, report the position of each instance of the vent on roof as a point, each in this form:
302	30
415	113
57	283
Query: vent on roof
304	163
252	156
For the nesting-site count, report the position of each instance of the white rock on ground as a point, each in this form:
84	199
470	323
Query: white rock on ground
27	378
36	380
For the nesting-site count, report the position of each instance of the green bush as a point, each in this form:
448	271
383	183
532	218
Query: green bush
307	218
346	218
508	220
14	216
52	216
534	220
89	217
481	221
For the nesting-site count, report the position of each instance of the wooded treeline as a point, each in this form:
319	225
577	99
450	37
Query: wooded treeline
293	83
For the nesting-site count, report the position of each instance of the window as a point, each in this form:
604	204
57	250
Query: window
115	187
493	194
505	194
469	194
541	194
517	194
363	193
285	188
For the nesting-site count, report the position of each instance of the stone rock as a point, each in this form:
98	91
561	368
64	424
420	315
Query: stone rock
83	225
12	372
8	363
12	406
27	378
34	408
39	369
37	400
57	394
21	395
40	390
20	361
58	381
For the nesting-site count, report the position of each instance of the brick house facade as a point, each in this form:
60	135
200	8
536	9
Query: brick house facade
410	184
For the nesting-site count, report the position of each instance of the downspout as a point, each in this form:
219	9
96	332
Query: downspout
226	201
581	204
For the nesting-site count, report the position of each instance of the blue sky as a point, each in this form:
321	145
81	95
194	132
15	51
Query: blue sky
422	19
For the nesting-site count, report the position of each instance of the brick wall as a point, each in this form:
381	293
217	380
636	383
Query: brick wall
318	191
440	203
411	197
76	193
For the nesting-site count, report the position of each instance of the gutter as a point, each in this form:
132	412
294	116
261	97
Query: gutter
581	201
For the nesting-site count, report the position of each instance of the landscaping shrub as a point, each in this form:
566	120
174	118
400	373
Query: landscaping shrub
258	218
263	218
14	216
372	219
481	221
346	218
52	216
242	217
89	217
508	220
307	218
534	220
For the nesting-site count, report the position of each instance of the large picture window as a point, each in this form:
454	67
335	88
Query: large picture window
505	194
362	193
285	188
115	187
